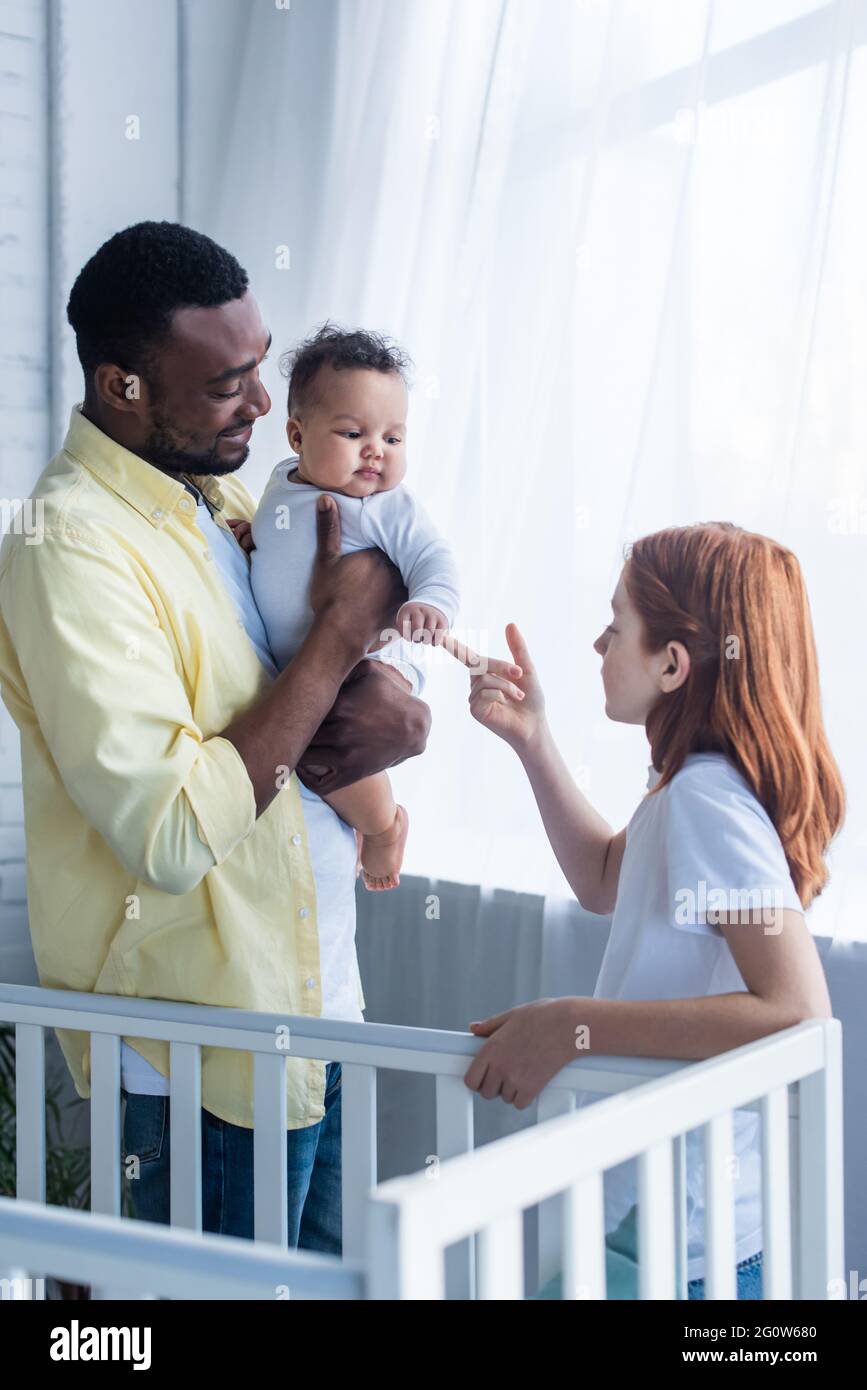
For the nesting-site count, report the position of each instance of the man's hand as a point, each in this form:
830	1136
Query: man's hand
398	678
374	724
360	592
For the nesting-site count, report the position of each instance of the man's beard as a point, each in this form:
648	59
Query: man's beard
164	449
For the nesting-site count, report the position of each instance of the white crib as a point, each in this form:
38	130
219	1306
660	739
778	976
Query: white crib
455	1229
413	1220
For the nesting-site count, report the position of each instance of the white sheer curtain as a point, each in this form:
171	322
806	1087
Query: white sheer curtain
625	245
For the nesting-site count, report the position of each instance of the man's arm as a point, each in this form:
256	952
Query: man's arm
361	719
81	643
375	723
84	656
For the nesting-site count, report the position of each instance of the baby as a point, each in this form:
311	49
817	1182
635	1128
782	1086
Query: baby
347	431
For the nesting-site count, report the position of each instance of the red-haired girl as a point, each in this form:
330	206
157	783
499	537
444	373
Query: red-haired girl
711	649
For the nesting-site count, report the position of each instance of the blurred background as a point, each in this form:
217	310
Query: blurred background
622	241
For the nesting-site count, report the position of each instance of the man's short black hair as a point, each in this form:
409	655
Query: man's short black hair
341	349
122	302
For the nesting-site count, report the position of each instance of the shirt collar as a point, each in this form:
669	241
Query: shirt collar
206	490
153	493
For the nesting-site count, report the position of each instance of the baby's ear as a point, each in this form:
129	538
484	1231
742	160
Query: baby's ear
293	433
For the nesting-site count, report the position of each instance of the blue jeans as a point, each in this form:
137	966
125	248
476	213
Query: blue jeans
621	1268
749	1280
313	1170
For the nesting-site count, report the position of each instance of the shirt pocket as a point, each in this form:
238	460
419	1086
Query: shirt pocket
132	959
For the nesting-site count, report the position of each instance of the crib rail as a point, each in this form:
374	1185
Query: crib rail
138	1259
362	1049
414	1220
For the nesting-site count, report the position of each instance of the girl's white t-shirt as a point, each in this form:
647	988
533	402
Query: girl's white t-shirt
703	843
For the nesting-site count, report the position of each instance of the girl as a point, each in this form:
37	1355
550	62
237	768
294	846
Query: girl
711	649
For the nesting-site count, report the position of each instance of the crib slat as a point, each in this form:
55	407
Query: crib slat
105	1123
358	1149
551	1214
681	1249
820	1193
403	1260
776	1209
501	1258
104	1136
794	1197
656	1250
270	1198
584	1239
186	1145
454	1135
720	1279
21	1287
30	1170
30	1111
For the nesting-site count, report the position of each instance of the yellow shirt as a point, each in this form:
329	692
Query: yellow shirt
122	657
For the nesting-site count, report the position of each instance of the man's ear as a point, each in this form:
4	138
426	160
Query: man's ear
294	433
121	390
675	664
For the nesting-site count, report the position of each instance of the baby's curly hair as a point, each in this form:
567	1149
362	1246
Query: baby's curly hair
339	348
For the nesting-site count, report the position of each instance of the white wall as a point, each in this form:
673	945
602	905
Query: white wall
255	167
24	399
72	73
113	66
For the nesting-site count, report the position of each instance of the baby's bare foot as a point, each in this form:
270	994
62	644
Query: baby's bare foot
382	854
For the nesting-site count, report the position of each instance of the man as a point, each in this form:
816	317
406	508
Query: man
167	830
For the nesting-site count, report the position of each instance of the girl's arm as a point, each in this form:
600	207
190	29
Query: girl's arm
529	1044
587	849
785	985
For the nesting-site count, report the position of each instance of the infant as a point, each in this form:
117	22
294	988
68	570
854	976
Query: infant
347	431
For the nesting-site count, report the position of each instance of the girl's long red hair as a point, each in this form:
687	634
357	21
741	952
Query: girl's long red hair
738	604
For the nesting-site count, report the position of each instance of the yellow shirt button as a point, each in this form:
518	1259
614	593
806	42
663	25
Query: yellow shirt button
304	912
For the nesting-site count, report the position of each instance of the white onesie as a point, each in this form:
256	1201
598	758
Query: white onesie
284	532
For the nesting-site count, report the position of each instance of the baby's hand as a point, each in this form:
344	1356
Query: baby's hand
243	532
421	622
